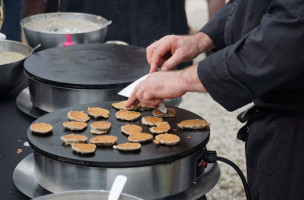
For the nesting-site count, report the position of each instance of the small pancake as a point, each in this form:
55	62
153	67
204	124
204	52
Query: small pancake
150	120
78	126
78	116
130	129
140	137
98	112
97	132
167	139
73	138
193	124
170	113
84	148
161	127
127	115
42	128
104	140
129	146
101	125
121	106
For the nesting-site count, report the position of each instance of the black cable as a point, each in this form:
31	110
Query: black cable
240	173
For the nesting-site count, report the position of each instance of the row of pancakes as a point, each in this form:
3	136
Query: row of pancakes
78	121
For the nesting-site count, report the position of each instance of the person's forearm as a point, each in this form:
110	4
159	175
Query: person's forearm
190	81
204	42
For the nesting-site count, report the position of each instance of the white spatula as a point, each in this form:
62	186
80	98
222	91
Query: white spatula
117	187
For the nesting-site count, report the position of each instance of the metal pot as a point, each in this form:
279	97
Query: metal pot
85	194
11	74
49	39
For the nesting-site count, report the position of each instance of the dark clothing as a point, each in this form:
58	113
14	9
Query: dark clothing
136	22
259	47
11	25
260	55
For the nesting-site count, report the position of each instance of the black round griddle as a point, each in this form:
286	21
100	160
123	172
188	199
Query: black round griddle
88	65
51	146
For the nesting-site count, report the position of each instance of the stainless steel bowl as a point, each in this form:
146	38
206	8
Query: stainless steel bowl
57	36
85	194
11	74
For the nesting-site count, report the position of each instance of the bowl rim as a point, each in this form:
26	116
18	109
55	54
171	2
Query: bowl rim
24	21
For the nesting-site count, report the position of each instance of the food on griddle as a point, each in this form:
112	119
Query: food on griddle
104	140
130	129
161	127
127	115
97	132
193	124
167	139
121	106
78	116
73	138
75	126
101	125
129	146
42	128
98	112
140	137
170	113
84	148
150	120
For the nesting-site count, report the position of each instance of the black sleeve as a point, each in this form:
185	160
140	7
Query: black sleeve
215	27
267	58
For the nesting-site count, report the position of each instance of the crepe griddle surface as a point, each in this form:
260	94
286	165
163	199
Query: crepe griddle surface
51	146
88	65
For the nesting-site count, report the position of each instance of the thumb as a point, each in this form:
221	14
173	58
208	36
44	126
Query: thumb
171	63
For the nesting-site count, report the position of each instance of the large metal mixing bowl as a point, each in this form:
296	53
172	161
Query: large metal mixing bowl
11	74
55	36
85	194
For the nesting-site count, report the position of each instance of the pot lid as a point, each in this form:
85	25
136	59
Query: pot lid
51	146
88	65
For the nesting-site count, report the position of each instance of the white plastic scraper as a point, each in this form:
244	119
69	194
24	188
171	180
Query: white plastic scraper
126	92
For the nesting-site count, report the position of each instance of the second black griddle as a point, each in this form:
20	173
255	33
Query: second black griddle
51	146
88	66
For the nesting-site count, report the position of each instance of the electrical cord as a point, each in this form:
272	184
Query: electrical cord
212	158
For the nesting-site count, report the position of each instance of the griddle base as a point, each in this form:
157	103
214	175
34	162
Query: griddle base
25	180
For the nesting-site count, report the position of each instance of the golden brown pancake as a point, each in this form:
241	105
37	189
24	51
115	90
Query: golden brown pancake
101	125
78	116
170	113
42	128
104	140
73	138
84	148
97	132
121	106
193	124
129	146
140	137
75	125
167	139
127	115
150	120
161	127
98	112
129	129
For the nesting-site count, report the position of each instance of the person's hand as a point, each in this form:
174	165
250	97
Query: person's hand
165	85
172	50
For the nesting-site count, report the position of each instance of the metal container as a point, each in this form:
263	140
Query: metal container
12	74
85	194
57	37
